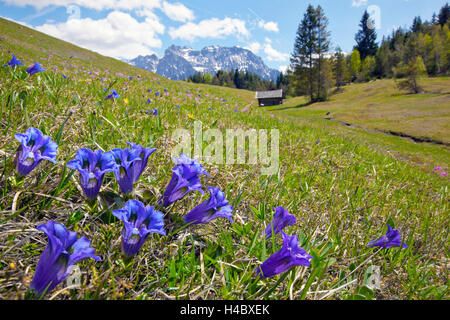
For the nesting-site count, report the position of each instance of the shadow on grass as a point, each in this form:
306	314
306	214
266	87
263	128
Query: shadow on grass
289	107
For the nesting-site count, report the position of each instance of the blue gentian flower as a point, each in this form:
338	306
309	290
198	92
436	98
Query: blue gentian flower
13	62
157	93
149	101
35	68
185	178
34	148
139	221
92	167
64	76
144	154
215	207
130	163
149	90
287	257
391	239
62	251
281	219
113	95
130	78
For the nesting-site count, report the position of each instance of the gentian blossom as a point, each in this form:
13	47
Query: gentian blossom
35	68
215	207
139	221
287	257
92	166
13	62
185	178
281	219
34	148
113	95
130	163
63	250
392	238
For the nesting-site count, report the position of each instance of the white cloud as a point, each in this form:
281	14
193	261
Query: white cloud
177	12
211	28
268	26
359	3
90	4
254	47
283	69
118	35
273	54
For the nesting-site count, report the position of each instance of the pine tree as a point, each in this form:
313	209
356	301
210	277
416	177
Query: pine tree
305	47
323	46
444	15
311	44
366	37
417	25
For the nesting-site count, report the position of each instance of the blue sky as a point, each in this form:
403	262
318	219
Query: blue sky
128	28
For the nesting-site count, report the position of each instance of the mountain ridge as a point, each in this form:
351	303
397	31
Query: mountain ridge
178	63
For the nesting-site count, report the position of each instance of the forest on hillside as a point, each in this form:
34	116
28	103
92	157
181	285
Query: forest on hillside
407	55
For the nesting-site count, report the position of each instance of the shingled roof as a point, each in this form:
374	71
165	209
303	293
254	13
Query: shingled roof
269	94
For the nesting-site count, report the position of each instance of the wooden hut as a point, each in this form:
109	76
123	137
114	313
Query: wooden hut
269	98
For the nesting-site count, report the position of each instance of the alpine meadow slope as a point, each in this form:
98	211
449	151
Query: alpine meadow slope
342	185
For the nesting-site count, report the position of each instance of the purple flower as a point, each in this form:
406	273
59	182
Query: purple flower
130	163
35	68
215	207
92	167
139	221
392	238
185	178
152	112
288	256
34	148
144	154
13	62
281	219
113	95
62	251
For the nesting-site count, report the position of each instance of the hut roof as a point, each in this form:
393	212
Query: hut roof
269	94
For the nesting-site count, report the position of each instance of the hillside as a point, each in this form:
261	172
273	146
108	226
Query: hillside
379	105
342	184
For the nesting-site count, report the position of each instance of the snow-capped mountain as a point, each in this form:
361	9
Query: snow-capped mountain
179	63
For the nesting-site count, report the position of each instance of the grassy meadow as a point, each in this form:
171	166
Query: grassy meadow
342	183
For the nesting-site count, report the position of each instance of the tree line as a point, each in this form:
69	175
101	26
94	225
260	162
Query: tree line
406	55
234	79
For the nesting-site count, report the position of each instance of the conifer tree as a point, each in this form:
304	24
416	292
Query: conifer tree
366	37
